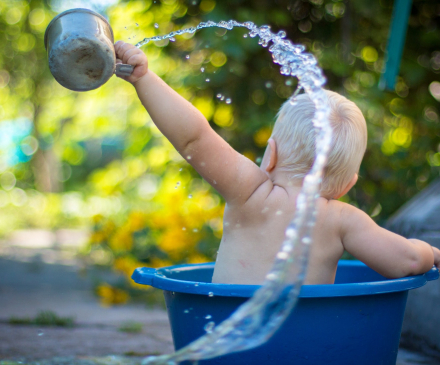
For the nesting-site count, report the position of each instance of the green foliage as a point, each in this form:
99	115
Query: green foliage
44	318
131	327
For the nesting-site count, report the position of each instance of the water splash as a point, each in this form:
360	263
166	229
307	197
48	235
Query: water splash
256	320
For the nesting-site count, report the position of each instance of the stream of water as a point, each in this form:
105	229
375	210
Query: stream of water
257	319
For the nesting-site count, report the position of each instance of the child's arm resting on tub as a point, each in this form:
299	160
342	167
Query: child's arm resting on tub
234	176
389	254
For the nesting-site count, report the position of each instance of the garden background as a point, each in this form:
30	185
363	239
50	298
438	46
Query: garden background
95	160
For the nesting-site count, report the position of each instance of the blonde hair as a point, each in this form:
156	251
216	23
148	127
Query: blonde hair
295	137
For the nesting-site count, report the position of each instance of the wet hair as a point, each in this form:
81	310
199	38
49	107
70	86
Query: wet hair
295	137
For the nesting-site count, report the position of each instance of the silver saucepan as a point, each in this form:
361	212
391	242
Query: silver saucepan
79	44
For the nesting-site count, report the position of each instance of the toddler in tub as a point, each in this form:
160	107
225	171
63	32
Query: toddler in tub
260	201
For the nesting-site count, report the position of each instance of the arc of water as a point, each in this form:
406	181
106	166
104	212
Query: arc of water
257	319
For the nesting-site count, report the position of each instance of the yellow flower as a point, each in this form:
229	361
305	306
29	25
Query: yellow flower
110	295
158	263
126	265
98	218
197	258
97	237
136	221
176	242
122	240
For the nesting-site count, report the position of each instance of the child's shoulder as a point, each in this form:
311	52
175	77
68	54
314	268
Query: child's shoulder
348	217
337	213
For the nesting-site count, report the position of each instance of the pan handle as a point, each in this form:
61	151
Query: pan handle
123	69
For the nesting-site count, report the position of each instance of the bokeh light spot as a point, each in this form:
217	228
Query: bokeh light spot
434	89
13	16
223	116
369	54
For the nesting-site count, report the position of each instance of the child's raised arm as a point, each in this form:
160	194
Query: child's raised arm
389	254
234	176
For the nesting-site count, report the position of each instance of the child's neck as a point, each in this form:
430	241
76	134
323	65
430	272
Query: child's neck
282	178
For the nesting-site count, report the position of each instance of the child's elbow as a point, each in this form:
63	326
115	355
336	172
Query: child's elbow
419	264
413	265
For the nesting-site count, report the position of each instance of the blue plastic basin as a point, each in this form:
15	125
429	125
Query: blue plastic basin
357	320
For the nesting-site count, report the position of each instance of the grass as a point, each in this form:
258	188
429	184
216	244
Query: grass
131	327
44	318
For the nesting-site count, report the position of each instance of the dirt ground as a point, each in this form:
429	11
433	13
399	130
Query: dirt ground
35	279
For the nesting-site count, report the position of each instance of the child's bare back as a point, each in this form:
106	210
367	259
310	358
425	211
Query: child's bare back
253	233
261	201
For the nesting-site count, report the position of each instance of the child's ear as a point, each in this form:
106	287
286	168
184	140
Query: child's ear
348	187
273	157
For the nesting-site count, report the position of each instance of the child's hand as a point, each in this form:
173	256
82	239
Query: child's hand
131	55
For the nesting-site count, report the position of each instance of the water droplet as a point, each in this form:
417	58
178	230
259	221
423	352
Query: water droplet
288	82
186	311
187	56
137	24
190	196
271	276
195	230
208	316
172	39
279	212
156	25
219	96
188	157
290	233
268	85
210	294
245	35
258	159
282	255
281	34
183	228
209	327
196	284
40	333
228	101
215	182
292	101
202	69
180	169
207	80
222	98
307	240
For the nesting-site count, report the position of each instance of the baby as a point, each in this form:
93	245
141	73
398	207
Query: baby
261	201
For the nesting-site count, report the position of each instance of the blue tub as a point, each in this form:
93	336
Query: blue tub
357	320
